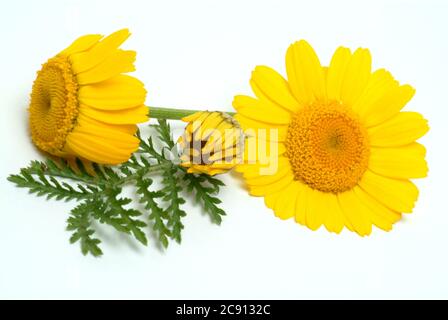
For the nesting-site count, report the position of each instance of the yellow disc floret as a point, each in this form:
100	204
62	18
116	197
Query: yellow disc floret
327	147
54	105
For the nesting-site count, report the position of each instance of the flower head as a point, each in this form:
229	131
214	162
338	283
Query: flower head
83	105
343	150
212	143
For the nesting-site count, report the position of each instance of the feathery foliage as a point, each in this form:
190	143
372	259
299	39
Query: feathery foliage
205	188
98	190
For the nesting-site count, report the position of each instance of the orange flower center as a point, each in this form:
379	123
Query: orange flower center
327	147
54	105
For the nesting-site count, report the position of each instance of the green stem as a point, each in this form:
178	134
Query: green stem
173	114
148	170
94	181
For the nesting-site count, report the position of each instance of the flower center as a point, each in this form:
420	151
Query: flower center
54	105
327	147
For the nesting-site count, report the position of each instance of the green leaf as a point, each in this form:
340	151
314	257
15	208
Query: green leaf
98	188
164	131
127	219
172	189
51	188
157	215
204	187
80	223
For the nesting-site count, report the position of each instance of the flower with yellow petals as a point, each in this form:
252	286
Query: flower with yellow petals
83	105
212	143
343	150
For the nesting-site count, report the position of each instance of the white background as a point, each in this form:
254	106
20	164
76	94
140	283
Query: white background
200	54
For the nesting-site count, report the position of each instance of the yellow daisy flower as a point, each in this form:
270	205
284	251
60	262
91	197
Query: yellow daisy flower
83	105
212	143
343	148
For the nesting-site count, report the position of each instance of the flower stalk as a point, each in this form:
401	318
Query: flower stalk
173	114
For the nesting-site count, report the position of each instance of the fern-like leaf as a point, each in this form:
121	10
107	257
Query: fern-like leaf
98	189
172	189
157	215
125	220
205	187
80	223
164	131
50	187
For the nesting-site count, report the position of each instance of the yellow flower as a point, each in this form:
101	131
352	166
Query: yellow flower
343	148
212	143
82	104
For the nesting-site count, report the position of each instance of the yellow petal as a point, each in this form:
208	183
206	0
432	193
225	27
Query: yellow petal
309	210
255	126
261	153
285	206
209	170
97	149
247	123
388	105
255	171
277	134
356	212
305	73
404	162
130	129
119	92
195	125
401	129
269	84
331	211
86	60
193	117
325	71
371	211
257	150
100	142
356	76
336	72
315	213
208	126
261	110
271	199
254	178
105	131
119	141
398	195
119	146
376	207
302	204
125	116
82	44
227	132
226	128
271	188
380	82
213	172
119	62
221	166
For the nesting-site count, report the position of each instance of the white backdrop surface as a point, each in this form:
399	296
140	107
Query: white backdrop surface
200	54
